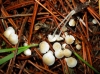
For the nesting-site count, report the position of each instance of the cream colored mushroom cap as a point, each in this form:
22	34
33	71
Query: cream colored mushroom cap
71	62
69	39
64	45
59	54
25	44
51	38
27	52
78	46
48	59
67	52
50	52
94	21
57	46
58	38
72	22
8	31
44	47
13	38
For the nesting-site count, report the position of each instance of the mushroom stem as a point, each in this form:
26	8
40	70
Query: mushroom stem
65	23
66	18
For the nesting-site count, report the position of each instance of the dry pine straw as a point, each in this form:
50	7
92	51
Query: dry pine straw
50	12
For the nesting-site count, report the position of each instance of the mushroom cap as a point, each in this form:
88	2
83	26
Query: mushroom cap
27	52
64	45
44	47
9	28
58	38
48	59
9	31
94	21
59	54
67	52
78	46
25	44
65	34
69	39
64	28
57	46
50	52
51	38
72	22
71	62
13	38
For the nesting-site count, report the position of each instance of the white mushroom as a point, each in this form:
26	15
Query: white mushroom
71	62
25	44
57	46
78	46
69	39
9	28
59	54
64	28
67	52
48	58
51	38
94	21
13	38
27	52
58	38
65	34
50	52
72	22
64	45
9	31
44	47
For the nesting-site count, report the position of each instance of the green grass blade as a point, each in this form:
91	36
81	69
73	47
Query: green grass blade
86	63
6	50
10	56
12	49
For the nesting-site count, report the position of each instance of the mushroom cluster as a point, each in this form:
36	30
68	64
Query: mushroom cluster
48	57
59	53
11	36
60	50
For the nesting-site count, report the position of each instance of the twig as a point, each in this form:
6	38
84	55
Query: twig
33	21
40	67
4	13
24	15
47	9
25	3
22	67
